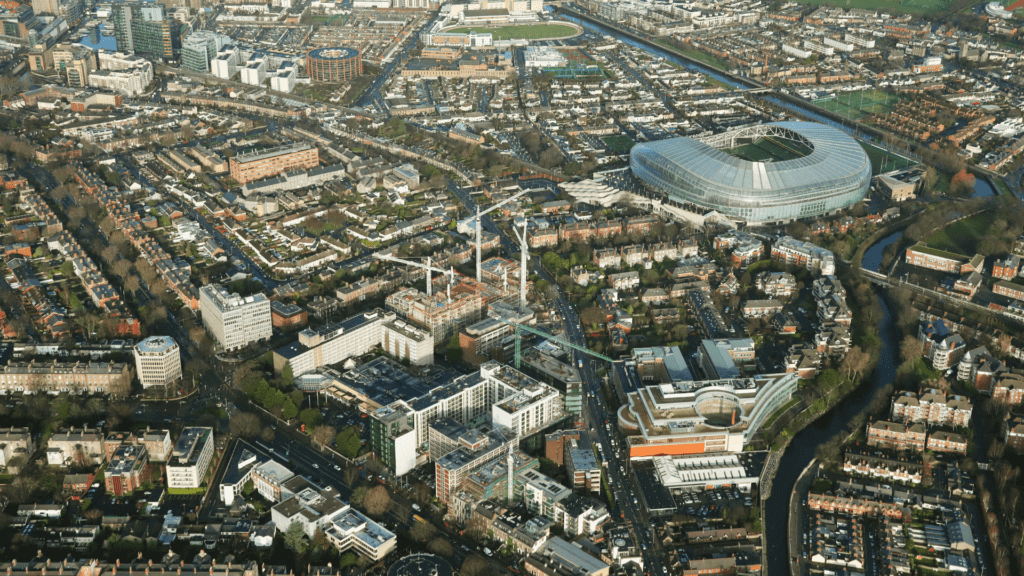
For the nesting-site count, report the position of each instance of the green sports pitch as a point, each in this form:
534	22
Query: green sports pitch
521	31
859	104
619	144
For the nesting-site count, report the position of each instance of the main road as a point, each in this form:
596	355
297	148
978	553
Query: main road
595	407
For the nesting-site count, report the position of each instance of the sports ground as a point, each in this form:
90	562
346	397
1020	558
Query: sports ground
770	149
542	31
619	144
859	104
914	6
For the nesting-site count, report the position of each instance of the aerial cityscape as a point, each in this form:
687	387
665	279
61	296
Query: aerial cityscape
512	288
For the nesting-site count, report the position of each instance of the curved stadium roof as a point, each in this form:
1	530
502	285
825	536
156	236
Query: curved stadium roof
835	174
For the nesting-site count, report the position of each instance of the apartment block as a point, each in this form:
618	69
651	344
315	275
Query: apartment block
804	254
897	435
190	458
444	316
345	528
1007	268
128	470
926	257
478	340
1009	389
932	407
235	321
273	161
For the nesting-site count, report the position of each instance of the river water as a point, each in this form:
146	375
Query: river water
801	450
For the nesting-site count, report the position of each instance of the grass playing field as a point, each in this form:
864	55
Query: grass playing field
882	161
915	6
619	144
856	105
521	31
769	149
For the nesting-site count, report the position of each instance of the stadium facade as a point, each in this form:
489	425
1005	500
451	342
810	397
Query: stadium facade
817	170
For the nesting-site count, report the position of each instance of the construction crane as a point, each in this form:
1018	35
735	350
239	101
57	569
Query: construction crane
427	267
519	327
524	251
480	226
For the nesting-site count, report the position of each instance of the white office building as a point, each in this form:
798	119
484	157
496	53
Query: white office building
235	321
190	458
157	361
225	65
408	342
333	343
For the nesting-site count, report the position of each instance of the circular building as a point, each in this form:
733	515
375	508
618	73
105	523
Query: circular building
768	173
421	565
334	64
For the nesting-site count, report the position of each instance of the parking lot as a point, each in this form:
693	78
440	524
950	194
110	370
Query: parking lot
711	503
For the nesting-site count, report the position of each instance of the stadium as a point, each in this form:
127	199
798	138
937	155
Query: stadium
760	174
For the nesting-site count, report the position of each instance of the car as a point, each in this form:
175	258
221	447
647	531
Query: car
338	468
315	465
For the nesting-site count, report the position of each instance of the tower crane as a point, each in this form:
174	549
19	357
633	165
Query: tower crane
427	267
480	226
524	251
520	327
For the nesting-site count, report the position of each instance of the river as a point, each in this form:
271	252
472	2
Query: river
801	450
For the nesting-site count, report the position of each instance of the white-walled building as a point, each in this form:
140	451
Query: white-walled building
284	79
334	342
157	361
225	65
190	458
234	321
321	509
255	71
408	342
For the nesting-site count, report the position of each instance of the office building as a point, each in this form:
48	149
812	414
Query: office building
74	63
271	480
156	442
661	364
235	321
345	528
558	558
701	417
201	47
225	64
143	28
334	342
190	458
408	342
479	340
273	161
400	431
157	361
474	448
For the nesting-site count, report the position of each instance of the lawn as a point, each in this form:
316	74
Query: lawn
522	31
914	6
962	237
708	59
619	144
883	161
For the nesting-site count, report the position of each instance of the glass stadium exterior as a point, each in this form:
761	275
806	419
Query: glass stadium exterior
835	174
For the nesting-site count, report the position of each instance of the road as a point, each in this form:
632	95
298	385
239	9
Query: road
595	411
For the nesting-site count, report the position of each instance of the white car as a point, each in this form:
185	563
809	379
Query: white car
315	465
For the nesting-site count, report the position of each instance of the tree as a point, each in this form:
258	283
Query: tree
440	546
593	316
348	443
245	425
261	391
359	495
347	559
856	361
962	184
286	375
295	538
248	488
288	408
322	435
377	501
422	531
310	417
297	397
476	565
911	349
